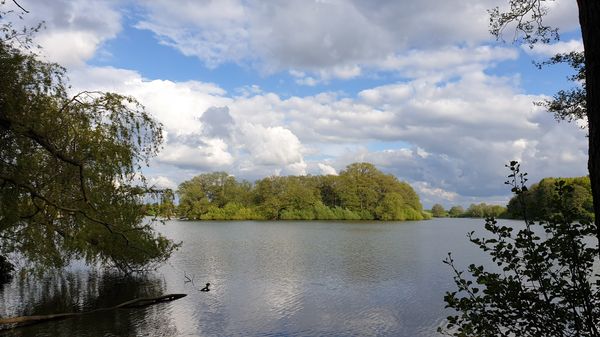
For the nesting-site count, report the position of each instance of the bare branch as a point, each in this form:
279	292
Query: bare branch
21	7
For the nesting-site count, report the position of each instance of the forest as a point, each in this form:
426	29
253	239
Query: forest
539	200
535	203
359	192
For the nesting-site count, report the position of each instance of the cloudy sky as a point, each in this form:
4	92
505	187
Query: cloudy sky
258	88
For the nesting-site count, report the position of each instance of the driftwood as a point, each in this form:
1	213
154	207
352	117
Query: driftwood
135	303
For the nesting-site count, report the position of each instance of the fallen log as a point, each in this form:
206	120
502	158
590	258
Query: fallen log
135	303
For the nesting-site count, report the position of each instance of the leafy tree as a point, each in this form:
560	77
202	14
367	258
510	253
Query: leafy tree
483	210
438	211
369	192
456	211
360	192
539	198
290	198
356	187
391	207
70	186
544	284
166	208
526	16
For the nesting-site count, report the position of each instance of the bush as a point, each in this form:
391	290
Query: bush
545	283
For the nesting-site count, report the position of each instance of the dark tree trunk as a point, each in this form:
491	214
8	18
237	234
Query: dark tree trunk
589	19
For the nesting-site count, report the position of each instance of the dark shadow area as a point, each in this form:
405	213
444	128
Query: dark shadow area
84	291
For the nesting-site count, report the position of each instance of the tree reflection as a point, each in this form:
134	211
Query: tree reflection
84	291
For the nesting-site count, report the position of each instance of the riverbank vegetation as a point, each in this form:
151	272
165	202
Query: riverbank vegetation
360	192
481	210
70	186
545	283
537	202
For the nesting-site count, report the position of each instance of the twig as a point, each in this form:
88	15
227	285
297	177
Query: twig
23	9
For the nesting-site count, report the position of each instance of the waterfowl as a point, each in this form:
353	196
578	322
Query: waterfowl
205	288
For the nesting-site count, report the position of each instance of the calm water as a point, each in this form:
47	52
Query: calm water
268	279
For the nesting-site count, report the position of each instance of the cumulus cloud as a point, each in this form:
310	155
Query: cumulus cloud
433	194
321	40
276	146
549	50
162	182
448	137
217	122
444	124
326	169
74	30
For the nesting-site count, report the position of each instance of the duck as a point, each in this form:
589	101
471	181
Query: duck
206	288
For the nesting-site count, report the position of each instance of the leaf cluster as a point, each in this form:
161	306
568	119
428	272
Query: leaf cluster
360	192
70	186
544	283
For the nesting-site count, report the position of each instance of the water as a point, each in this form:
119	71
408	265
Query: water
268	279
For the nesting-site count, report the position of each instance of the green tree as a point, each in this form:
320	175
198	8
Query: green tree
166	208
483	210
357	188
456	211
69	167
527	16
361	192
291	198
365	190
545	283
538	199
438	211
391	207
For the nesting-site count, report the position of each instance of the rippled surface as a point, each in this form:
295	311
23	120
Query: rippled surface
268	279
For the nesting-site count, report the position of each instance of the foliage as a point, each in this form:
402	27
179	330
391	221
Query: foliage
438	211
360	192
526	18
483	210
570	104
544	283
539	198
69	167
456	211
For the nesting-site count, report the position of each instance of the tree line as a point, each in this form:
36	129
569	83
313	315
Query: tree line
360	192
481	210
534	203
538	201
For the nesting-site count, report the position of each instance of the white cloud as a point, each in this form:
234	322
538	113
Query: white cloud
162	182
212	155
75	30
272	146
434	193
549	50
329	39
454	136
326	169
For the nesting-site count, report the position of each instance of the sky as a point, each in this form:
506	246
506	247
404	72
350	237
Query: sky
259	88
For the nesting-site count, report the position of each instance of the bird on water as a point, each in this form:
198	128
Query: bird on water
206	288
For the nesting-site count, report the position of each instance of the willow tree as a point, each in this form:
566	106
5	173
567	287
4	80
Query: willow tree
70	186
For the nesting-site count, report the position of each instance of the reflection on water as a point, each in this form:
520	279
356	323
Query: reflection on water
267	279
77	291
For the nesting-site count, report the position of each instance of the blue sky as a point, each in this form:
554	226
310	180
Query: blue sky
259	88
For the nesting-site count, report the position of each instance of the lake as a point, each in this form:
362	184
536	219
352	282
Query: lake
267	279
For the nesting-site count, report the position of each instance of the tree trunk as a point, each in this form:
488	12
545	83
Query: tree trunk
589	19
